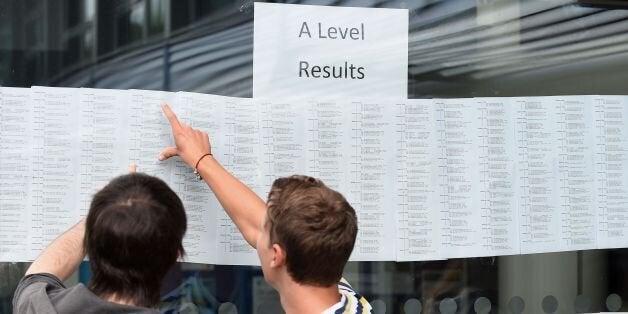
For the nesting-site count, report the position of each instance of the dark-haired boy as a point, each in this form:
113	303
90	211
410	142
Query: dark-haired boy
133	234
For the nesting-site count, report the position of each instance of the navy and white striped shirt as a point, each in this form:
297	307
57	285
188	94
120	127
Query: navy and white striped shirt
350	303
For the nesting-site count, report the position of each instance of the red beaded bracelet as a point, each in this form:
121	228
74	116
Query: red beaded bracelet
198	175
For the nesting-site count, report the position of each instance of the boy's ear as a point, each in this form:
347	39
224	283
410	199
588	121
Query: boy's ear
279	256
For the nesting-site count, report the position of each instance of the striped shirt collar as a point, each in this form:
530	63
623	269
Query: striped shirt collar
351	302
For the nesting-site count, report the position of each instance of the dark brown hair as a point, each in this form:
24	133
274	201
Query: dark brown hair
316	227
133	235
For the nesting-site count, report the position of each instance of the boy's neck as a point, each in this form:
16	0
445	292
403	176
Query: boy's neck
304	299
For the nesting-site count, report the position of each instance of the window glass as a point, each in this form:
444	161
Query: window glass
456	49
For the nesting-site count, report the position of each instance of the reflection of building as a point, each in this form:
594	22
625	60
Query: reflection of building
96	43
456	48
45	38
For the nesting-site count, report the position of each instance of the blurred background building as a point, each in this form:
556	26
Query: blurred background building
457	48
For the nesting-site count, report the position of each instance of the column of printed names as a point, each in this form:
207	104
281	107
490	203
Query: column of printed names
240	155
104	151
371	190
458	126
497	179
576	180
15	173
283	131
537	170
611	170
327	138
418	229
203	112
149	132
55	143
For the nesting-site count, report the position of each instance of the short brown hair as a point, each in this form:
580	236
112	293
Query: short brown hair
316	227
133	235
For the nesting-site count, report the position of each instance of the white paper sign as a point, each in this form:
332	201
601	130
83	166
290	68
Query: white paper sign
303	51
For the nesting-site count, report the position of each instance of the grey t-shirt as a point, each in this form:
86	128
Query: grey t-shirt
45	293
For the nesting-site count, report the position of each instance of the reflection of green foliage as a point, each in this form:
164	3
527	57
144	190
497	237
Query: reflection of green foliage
156	25
156	17
136	31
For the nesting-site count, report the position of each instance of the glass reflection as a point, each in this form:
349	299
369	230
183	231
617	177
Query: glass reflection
456	49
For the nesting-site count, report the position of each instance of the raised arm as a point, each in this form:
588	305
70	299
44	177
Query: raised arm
244	207
63	256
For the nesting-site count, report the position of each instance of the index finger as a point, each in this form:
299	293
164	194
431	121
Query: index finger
172	118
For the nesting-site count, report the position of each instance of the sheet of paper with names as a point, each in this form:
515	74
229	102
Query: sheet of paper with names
429	179
348	146
229	121
89	136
